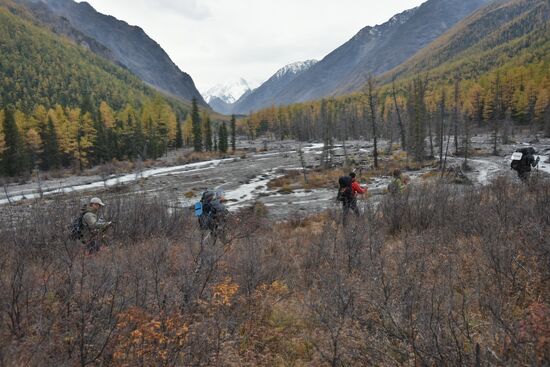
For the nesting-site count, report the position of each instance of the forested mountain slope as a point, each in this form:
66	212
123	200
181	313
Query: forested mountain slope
130	46
63	106
491	69
38	68
375	50
492	37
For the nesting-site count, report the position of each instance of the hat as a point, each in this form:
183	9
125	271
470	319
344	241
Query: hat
96	201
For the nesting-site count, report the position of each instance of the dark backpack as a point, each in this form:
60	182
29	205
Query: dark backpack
345	192
524	163
393	188
206	210
76	227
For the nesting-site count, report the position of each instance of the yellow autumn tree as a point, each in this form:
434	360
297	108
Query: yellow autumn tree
542	105
188	131
66	130
85	141
107	115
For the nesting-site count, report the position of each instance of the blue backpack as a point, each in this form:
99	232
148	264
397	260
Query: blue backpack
203	209
198	209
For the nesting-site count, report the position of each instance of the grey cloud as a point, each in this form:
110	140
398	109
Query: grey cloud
193	9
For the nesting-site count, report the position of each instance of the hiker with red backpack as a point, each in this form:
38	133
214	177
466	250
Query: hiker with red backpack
347	194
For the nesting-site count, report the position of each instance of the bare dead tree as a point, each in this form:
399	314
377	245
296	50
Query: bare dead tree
442	117
456	113
399	119
372	100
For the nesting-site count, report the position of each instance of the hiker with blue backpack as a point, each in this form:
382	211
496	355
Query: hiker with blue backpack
347	194
211	211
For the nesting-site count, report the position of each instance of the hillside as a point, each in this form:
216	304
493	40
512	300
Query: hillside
491	69
373	50
504	33
62	106
129	45
38	68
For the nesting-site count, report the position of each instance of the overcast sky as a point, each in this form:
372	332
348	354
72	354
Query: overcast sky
219	41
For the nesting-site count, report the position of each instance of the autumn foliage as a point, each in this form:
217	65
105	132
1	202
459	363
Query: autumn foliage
436	275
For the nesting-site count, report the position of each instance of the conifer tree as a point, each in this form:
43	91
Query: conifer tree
207	134
50	147
222	136
138	138
233	133
14	157
179	135
197	131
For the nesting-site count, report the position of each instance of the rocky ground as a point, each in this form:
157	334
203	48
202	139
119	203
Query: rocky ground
245	179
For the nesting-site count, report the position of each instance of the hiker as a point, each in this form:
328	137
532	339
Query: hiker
93	225
398	182
347	194
211	211
522	161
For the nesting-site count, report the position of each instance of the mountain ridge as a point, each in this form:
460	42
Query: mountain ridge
372	50
275	84
130	47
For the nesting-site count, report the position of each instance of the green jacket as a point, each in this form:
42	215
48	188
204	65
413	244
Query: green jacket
396	186
92	224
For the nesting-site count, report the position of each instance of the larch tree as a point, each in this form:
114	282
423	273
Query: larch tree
85	140
50	147
14	157
188	137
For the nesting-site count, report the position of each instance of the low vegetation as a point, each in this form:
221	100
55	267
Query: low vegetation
438	275
328	178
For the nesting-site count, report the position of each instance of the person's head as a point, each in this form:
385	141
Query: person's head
353	176
96	204
220	195
397	173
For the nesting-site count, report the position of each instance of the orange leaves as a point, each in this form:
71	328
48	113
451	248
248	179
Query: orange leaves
535	328
149	338
224	292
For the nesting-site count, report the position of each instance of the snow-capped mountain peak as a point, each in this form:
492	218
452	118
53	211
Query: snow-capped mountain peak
295	68
228	93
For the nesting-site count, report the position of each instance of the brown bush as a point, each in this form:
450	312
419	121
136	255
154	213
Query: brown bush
438	275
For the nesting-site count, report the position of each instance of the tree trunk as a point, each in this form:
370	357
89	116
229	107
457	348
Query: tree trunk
371	95
399	119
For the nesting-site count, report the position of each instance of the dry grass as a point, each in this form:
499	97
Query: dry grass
328	178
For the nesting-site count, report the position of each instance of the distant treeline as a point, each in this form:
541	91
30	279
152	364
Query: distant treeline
416	111
63	137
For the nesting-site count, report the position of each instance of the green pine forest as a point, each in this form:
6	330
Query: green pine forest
491	72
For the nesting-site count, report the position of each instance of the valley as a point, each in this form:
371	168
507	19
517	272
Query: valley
244	179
